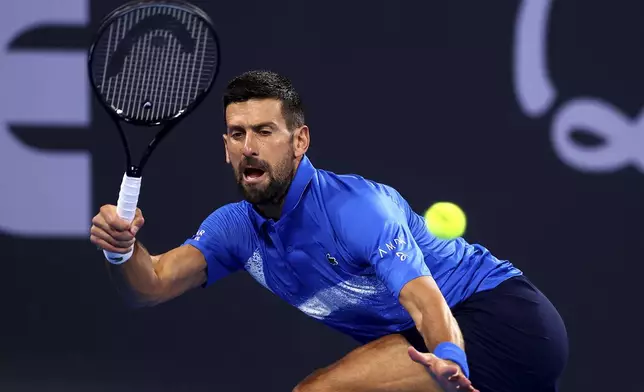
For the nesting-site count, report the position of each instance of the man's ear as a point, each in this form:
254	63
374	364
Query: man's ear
301	141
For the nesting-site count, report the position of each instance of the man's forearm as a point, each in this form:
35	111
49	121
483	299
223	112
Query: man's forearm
136	280
430	312
434	321
442	327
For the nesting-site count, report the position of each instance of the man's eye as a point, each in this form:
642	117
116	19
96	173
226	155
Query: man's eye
265	132
236	135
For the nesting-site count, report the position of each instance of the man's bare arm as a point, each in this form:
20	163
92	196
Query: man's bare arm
146	280
433	318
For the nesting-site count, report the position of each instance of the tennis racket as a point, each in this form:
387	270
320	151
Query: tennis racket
150	64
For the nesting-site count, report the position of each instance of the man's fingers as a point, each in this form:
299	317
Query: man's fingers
462	382
444	372
466	388
117	223
137	223
98	233
101	243
102	223
113	220
417	356
459	378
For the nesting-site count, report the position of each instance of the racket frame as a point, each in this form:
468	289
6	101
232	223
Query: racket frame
167	124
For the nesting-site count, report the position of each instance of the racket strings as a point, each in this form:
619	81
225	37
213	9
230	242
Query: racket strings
159	77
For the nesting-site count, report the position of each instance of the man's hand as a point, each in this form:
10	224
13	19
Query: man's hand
446	373
111	233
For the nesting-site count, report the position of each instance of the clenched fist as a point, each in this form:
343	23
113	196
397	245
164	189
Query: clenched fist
113	234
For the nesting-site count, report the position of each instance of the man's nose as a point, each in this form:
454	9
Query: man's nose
250	146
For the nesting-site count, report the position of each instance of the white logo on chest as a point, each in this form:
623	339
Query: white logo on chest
355	292
255	267
351	293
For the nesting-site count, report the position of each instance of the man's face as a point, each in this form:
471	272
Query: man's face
261	149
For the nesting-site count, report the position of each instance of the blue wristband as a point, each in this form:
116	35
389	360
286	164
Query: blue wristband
451	352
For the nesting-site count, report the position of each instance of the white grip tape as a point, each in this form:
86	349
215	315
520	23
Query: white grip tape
126	209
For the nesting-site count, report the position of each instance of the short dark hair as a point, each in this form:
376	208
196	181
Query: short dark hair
261	84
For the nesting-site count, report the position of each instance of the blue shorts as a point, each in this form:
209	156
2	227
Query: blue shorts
515	339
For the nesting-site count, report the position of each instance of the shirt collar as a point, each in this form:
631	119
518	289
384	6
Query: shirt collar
303	176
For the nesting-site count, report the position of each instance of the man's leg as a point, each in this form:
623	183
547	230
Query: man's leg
380	366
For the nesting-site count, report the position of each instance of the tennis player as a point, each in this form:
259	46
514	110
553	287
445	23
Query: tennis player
432	315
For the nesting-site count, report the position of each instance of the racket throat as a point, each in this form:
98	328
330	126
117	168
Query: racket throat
133	171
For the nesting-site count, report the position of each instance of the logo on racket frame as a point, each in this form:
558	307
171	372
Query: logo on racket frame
139	31
153	61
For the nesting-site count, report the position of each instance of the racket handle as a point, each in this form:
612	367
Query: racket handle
126	209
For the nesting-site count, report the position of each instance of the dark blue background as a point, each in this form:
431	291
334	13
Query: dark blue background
415	94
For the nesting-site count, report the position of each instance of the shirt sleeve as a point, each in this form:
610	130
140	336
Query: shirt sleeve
376	231
219	238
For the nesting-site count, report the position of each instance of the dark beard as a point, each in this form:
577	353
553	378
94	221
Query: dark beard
277	187
274	193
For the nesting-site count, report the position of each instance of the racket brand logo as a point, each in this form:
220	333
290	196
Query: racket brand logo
44	193
621	136
140	30
143	57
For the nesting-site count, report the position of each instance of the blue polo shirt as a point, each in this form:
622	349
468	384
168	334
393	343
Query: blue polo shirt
341	252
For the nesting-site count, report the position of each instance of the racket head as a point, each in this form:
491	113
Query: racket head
152	62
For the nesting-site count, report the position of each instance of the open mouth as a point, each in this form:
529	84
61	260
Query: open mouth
252	174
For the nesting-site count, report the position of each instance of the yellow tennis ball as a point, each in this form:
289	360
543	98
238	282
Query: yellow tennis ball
445	220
